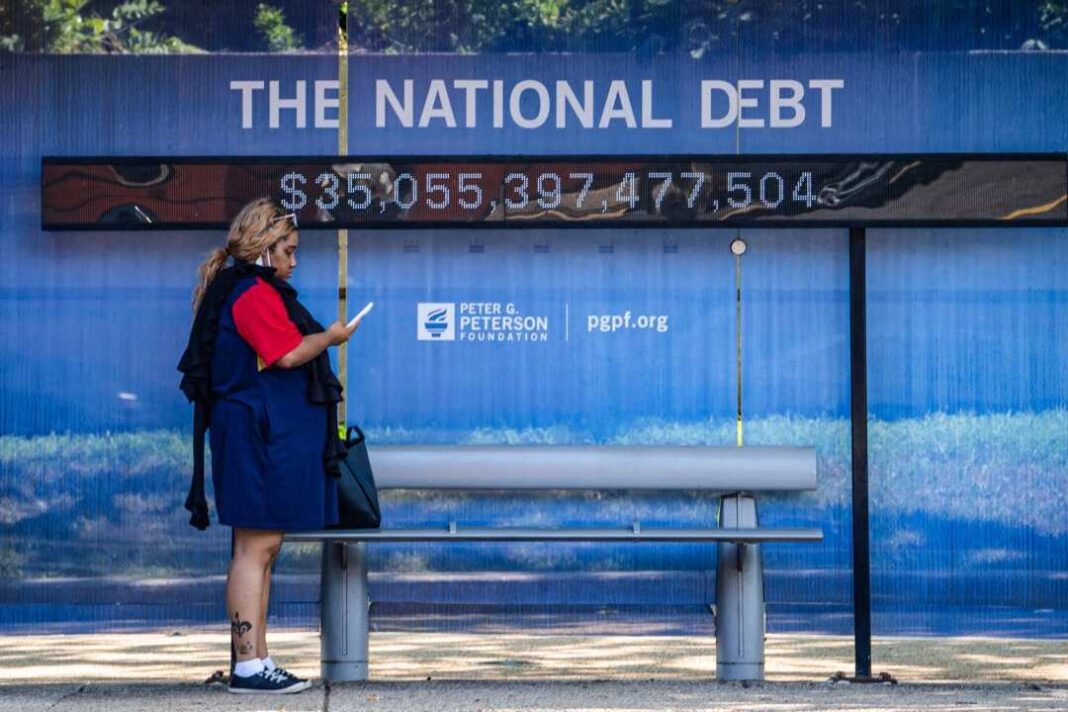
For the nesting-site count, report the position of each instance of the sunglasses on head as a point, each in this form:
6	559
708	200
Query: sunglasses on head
287	216
277	218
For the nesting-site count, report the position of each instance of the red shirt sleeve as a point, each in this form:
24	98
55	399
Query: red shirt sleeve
262	321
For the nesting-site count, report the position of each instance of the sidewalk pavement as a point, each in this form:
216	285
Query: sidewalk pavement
166	670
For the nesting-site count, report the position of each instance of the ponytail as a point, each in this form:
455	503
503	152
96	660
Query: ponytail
255	228
208	269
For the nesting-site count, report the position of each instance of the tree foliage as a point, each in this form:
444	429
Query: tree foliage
644	27
66	27
701	26
270	22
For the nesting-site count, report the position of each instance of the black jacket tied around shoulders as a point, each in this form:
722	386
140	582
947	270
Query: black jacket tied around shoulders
323	385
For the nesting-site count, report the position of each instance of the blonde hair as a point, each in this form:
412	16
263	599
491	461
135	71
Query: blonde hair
254	230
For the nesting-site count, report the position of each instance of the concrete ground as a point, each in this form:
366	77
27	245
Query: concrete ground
167	670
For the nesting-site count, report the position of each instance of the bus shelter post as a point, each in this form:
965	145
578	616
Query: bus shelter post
858	369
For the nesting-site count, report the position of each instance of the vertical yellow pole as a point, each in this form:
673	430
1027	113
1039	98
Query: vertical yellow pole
343	235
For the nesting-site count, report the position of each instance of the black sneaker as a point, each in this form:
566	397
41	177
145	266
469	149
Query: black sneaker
288	675
271	682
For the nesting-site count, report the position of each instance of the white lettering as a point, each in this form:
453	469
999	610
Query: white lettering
437	105
617	106
565	96
403	111
470	87
791	102
648	122
322	103
514	104
498	103
297	104
745	102
826	86
707	87
246	88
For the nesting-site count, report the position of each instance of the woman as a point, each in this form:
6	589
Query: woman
257	370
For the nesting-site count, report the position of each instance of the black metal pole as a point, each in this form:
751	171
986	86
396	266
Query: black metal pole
858	415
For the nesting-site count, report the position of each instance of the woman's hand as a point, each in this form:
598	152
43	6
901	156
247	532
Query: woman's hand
315	344
339	333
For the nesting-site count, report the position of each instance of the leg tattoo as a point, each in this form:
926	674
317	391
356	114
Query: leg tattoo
239	627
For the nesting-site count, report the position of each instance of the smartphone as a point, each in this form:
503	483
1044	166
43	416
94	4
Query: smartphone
362	314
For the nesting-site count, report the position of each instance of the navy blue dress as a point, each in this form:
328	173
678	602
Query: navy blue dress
266	437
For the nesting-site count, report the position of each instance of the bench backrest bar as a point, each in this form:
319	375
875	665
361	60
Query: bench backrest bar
602	467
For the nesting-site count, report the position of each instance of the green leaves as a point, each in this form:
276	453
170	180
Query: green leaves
270	22
64	27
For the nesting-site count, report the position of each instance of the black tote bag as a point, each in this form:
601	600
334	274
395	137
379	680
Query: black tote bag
356	492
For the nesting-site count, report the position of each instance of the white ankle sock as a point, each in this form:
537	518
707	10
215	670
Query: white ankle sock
248	668
268	663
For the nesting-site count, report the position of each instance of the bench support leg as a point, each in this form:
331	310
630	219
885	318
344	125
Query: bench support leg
345	610
739	597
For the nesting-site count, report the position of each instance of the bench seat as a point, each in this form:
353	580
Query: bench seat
735	473
661	534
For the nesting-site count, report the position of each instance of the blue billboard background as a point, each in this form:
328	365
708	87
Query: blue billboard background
968	387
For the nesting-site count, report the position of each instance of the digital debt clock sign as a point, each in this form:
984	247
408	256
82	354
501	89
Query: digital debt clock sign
633	191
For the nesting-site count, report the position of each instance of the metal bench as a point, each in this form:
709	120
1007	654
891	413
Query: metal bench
738	472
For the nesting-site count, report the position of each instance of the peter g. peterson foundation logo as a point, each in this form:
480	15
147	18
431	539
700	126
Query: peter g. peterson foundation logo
436	321
488	322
